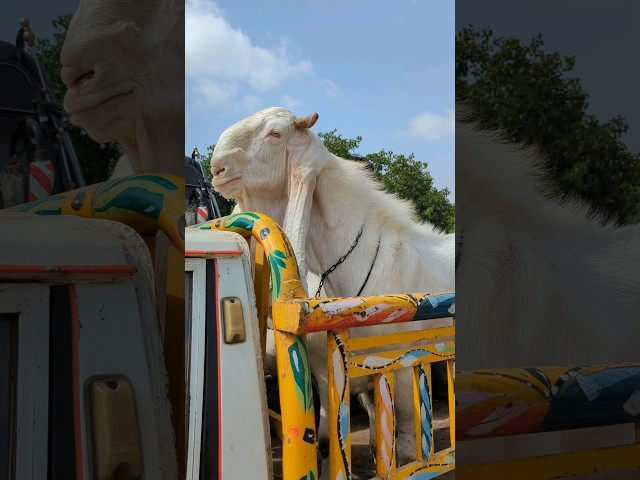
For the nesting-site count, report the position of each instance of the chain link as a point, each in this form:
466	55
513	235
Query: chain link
342	259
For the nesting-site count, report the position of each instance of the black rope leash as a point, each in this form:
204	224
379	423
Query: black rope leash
342	259
371	268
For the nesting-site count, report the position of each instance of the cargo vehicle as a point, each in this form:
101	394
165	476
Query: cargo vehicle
115	364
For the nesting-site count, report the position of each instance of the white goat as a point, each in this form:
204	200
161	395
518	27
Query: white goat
273	163
123	65
539	280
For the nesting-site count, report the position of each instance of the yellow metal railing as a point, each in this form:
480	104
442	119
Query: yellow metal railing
527	401
147	203
294	316
383	356
274	253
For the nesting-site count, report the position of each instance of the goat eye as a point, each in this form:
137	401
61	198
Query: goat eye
274	134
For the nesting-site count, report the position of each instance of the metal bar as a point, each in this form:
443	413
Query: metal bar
385	424
339	415
261	283
211	253
441	462
308	315
493	403
369	364
452	400
423	412
377	341
298	427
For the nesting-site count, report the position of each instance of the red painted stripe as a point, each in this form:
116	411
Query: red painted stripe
41	177
218	337
195	253
75	365
70	269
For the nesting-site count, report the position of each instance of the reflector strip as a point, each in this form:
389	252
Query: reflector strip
203	214
41	176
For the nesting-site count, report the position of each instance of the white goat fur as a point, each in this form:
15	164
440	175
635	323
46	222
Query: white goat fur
269	165
123	64
540	280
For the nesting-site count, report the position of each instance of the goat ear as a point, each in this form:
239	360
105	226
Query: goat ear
306	122
302	183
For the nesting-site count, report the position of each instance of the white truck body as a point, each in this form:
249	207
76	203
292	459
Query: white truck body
84	383
224	377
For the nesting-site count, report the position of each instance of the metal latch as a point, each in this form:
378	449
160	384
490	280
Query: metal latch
233	320
116	433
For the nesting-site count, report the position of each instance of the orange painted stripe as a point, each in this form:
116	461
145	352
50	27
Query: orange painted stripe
75	365
195	253
70	269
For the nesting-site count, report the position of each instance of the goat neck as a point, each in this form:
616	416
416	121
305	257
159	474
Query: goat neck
335	220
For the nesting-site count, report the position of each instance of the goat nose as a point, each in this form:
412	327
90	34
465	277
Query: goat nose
217	171
75	76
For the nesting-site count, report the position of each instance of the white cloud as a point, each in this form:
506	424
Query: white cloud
431	126
220	60
331	89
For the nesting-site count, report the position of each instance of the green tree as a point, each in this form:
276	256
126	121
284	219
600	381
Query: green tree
96	160
404	176
225	206
529	95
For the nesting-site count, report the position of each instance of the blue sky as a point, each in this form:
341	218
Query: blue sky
380	70
39	12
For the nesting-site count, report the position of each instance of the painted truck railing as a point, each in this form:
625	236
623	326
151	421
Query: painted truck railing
294	316
335	316
149	204
501	402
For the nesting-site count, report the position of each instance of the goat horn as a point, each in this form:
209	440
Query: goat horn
306	122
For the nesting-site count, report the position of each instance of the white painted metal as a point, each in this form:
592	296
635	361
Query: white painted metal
123	338
116	337
31	303
244	423
196	363
246	442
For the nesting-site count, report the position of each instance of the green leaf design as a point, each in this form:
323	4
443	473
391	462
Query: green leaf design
301	372
276	263
244	220
138	200
158	180
308	476
202	226
45	206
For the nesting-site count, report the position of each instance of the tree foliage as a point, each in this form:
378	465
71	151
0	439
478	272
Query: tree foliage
403	176
96	160
529	95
